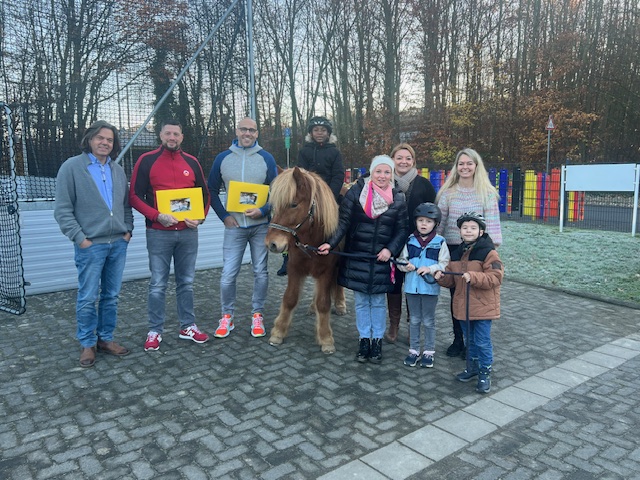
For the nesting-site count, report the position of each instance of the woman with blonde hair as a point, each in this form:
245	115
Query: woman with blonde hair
467	189
417	190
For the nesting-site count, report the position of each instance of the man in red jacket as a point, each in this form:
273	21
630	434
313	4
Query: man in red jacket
166	168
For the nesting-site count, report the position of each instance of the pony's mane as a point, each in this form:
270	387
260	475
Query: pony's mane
284	190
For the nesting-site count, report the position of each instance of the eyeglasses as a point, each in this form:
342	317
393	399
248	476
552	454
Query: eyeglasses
248	130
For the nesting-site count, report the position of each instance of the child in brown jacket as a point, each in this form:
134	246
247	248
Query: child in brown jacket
477	263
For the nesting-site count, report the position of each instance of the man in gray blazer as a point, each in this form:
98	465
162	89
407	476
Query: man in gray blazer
92	209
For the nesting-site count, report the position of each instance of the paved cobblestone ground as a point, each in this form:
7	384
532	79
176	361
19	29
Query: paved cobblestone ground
565	400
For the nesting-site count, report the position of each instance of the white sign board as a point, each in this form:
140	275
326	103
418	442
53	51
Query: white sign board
601	178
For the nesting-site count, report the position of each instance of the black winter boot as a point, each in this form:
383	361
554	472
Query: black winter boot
484	379
457	347
376	350
470	372
364	350
283	269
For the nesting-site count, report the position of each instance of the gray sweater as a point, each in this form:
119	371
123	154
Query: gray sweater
80	210
250	164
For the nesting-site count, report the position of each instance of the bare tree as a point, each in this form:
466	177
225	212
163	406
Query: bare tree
70	50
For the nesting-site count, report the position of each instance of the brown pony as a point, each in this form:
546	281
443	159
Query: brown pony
304	212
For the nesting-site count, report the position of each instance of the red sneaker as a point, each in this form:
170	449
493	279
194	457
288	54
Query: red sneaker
192	333
153	341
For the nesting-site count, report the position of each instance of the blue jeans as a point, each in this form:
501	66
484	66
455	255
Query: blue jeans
233	246
182	246
423	312
479	344
100	268
371	314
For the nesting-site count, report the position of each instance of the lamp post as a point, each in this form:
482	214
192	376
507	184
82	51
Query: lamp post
550	127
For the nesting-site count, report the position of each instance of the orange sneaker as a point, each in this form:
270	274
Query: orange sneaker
257	326
225	325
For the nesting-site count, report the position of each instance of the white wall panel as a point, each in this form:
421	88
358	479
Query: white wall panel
48	254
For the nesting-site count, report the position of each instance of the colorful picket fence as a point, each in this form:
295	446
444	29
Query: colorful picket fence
537	195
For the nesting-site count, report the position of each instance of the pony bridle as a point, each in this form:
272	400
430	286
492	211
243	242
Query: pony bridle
294	231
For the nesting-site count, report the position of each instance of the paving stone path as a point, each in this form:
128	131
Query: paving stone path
564	403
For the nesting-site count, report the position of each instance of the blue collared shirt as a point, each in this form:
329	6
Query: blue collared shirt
101	174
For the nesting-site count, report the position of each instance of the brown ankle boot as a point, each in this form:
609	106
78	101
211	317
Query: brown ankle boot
394	305
88	357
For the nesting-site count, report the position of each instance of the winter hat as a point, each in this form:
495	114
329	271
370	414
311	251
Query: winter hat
320	122
382	159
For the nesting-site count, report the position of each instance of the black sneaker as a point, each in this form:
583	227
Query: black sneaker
427	361
412	360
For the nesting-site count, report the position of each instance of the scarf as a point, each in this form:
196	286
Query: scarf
374	200
404	182
424	241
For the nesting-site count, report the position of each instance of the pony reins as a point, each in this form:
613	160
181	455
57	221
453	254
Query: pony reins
366	256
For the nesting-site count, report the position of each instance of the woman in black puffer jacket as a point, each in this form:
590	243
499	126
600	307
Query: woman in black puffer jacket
417	190
373	221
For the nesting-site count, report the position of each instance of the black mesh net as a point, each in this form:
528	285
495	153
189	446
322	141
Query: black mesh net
12	292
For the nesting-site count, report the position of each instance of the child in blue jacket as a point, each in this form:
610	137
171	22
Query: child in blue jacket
426	253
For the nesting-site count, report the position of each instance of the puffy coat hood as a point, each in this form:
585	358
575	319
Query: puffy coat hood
332	140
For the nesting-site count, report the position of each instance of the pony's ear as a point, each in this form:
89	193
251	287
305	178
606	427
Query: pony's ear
298	176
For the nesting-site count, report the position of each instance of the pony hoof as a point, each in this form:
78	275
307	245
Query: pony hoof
328	349
275	341
340	311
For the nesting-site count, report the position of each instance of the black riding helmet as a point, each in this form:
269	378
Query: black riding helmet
320	122
472	216
429	210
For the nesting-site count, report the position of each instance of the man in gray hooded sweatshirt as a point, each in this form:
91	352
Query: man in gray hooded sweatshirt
244	161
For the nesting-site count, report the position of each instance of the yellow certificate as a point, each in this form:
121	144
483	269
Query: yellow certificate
243	196
181	203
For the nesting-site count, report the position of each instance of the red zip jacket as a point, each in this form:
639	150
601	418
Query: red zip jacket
163	169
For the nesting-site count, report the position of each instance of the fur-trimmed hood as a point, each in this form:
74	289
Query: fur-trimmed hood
332	139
